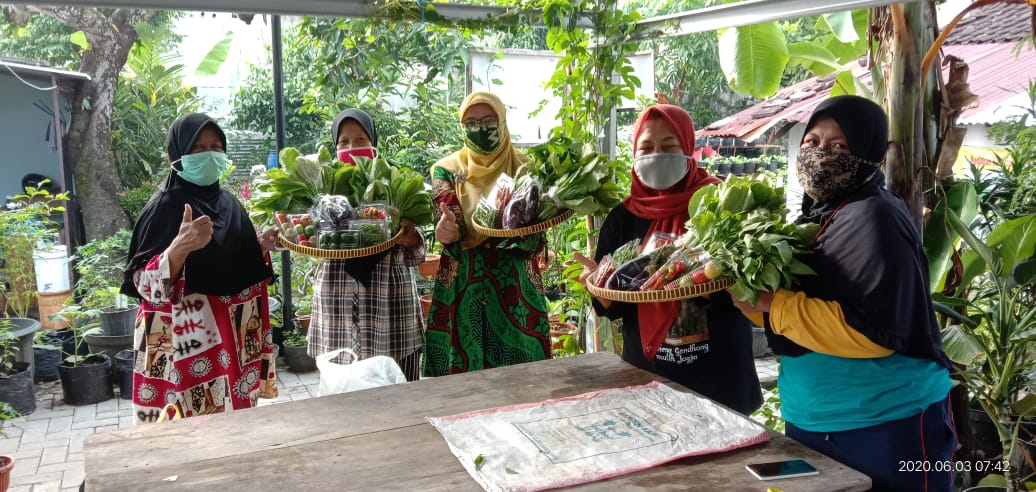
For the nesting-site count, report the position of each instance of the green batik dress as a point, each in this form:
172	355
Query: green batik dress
488	308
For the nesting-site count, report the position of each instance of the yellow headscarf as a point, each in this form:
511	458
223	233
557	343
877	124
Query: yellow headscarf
474	173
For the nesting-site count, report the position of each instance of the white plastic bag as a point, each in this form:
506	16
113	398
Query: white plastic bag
361	374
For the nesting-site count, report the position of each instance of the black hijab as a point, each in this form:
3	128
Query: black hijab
233	259
361	117
869	257
358	268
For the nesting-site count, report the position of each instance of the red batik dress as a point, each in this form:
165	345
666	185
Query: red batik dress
207	353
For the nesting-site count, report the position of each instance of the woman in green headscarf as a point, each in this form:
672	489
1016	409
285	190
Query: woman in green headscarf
488	308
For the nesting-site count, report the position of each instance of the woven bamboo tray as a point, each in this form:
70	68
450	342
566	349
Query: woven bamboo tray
339	254
523	231
641	296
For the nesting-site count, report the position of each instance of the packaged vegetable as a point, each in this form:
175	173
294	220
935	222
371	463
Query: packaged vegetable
338	239
657	240
633	274
371	231
334	211
679	264
486	214
605	269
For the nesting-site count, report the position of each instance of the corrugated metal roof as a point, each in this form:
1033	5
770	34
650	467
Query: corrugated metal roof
997	74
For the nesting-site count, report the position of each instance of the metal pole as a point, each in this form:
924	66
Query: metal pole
278	114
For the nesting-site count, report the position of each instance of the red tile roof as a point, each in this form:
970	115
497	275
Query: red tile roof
996	23
996	74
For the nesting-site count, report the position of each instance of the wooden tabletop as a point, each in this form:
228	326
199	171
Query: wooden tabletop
380	439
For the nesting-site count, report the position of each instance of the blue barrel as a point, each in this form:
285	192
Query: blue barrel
271	160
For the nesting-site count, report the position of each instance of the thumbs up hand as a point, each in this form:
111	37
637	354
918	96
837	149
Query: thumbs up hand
446	231
194	233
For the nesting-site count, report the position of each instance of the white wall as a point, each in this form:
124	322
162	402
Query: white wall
522	74
792	189
26	133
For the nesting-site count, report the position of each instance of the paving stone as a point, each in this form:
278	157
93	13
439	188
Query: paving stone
107	428
35	436
8	446
126	422
95	423
59	468
73	478
27	455
25	467
74	457
52	456
38	478
60	424
51	486
84	413
31	446
75	445
108	406
20	488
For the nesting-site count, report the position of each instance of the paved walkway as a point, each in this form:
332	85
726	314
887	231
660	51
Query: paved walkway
48	447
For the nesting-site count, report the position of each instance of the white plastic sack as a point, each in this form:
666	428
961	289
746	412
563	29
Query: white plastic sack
361	374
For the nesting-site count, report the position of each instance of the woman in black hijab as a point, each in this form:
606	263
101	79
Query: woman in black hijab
369	305
200	271
863	377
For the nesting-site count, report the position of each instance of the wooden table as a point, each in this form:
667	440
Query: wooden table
379	439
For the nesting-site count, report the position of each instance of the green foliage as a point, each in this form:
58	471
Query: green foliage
134	199
8	346
82	322
150	95
770	412
751	56
7	412
22	225
43	39
99	265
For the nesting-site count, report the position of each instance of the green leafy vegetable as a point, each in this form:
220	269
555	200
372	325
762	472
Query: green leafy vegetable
741	223
575	176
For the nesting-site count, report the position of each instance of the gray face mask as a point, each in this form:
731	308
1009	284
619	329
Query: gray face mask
661	171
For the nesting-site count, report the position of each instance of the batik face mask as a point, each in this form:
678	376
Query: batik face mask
826	175
661	171
202	168
482	139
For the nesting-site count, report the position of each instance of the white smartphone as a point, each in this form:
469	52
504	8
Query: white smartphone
782	469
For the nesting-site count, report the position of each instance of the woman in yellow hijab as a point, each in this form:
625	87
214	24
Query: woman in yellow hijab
488	308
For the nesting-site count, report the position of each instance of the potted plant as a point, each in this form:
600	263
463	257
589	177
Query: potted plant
116	326
303	314
46	350
7	412
296	355
85	379
994	308
124	372
16	381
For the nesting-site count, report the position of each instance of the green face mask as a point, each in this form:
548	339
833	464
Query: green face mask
203	168
482	139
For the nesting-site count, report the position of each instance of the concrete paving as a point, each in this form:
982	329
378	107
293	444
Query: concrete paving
48	445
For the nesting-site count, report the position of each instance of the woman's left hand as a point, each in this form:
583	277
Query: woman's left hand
410	238
761	306
268	239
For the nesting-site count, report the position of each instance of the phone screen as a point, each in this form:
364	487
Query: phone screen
781	469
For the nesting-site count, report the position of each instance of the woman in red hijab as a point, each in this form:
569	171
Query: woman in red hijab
703	344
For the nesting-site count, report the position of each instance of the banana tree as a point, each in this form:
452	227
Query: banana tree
992	341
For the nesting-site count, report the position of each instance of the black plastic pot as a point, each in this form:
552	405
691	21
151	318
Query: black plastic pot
750	167
46	362
723	168
737	168
89	382
124	372
118	322
775	165
298	359
17	389
111	345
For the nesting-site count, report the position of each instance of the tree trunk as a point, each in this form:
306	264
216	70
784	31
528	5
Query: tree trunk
111	34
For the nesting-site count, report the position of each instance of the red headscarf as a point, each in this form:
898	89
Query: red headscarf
667	210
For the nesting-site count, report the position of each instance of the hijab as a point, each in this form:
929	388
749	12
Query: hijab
233	259
667	210
868	256
358	268
361	117
475	174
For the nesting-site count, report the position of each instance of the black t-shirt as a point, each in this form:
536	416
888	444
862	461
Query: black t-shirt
718	363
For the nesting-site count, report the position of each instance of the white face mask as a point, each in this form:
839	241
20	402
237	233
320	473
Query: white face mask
661	171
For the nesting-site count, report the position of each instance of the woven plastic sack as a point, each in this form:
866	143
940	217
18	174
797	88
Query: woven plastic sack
361	374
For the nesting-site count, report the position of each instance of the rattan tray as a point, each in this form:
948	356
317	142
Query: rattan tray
641	296
340	254
524	231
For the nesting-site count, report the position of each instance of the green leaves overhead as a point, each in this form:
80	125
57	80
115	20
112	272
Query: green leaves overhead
753	58
78	38
215	57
